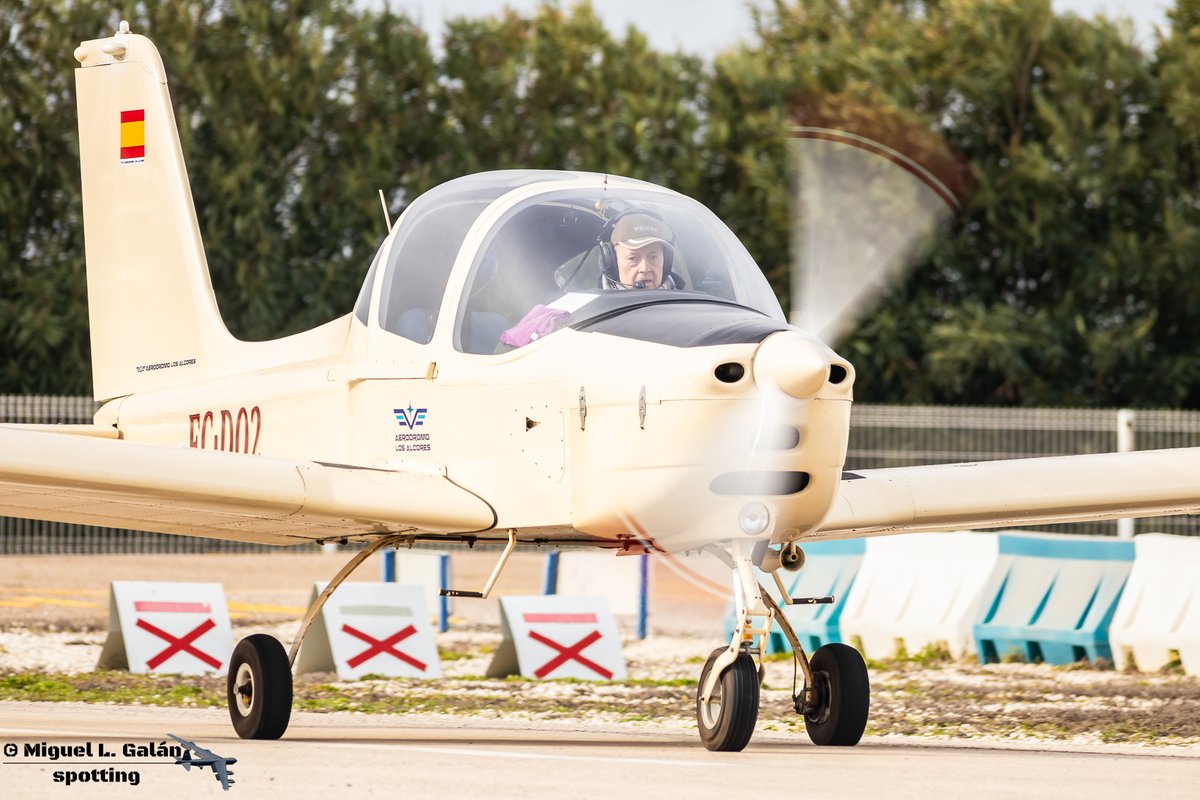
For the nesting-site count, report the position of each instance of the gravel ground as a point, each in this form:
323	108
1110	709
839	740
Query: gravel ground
930	698
949	700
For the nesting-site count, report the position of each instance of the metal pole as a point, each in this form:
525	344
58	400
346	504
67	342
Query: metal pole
643	596
443	600
389	566
550	584
1125	444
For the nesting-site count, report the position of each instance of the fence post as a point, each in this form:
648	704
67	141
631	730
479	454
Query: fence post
1125	444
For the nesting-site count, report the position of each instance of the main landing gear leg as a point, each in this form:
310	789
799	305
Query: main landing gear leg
837	692
259	687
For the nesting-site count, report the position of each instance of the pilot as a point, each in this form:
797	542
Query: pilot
637	248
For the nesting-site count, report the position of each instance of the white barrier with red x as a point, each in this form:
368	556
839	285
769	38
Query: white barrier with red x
554	636
372	629
171	628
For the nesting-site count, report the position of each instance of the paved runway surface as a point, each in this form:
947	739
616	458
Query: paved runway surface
325	755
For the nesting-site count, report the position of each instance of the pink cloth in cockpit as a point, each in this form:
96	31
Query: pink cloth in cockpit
539	322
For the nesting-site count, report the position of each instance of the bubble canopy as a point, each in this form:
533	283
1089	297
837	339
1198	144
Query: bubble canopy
527	238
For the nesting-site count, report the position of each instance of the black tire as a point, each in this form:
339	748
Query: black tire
259	688
727	721
843	696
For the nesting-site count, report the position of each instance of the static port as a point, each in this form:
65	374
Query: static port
730	372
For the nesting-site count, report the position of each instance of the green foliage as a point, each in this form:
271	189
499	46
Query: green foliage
1068	278
1071	276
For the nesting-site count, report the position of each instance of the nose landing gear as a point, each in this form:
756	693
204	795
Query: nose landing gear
835	699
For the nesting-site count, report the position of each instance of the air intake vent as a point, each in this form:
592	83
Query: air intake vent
730	372
759	483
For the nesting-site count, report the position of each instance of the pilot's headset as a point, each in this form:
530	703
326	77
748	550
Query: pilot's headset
608	254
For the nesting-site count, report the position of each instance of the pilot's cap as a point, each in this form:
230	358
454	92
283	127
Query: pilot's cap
638	230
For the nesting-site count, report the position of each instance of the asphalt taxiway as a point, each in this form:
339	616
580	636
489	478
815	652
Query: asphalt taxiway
427	757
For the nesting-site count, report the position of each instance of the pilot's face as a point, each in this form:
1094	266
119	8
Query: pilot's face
643	265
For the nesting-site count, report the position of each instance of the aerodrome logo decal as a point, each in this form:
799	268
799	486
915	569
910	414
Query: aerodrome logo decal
133	136
412	417
409	419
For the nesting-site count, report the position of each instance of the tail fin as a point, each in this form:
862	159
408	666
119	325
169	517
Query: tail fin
154	317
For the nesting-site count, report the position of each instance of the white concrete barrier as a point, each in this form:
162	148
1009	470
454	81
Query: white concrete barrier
1158	617
914	590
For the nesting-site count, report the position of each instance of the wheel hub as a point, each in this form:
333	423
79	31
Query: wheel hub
813	704
712	709
244	689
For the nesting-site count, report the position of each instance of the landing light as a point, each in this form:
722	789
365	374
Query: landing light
753	519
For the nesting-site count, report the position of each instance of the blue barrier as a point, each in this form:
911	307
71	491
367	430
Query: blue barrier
1052	598
829	570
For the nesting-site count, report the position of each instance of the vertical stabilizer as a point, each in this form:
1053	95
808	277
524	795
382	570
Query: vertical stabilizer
154	317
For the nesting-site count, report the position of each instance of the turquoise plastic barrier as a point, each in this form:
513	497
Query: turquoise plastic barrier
829	570
1051	598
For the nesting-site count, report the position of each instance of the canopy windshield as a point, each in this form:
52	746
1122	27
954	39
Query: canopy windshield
553	250
426	244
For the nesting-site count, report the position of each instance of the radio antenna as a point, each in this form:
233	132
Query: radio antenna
386	216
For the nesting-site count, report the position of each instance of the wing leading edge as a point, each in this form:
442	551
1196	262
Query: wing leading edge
1018	492
94	481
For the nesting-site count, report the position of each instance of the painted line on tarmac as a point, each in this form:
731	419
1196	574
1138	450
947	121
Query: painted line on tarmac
517	754
34	601
237	608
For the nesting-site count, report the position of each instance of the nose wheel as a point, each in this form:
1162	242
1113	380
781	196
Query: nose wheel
726	717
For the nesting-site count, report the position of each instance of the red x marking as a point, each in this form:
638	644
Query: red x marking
571	653
183	643
382	646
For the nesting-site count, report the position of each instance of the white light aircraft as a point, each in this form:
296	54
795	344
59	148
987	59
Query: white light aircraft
443	411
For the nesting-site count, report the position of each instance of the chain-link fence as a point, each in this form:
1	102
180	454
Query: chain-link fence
880	436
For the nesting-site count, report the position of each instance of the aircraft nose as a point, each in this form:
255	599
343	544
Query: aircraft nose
793	361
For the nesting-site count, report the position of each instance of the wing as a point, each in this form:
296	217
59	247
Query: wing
117	484
188	745
206	755
1028	491
222	773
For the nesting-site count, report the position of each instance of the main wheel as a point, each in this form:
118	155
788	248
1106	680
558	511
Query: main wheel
727	720
843	696
259	688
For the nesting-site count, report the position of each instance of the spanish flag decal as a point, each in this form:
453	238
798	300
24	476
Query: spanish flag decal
133	136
